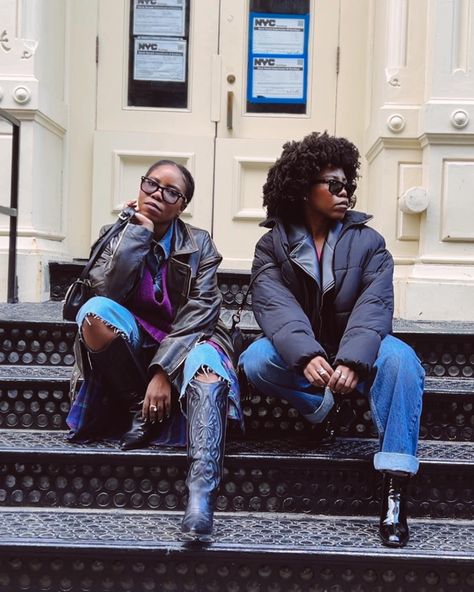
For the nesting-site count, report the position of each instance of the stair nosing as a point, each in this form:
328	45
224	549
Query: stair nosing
322	455
372	548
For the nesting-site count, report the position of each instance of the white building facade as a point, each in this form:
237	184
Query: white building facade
394	76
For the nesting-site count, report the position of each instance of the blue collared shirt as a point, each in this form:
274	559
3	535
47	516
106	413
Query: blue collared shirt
159	253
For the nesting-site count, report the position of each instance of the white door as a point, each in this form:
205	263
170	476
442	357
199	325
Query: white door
130	137
222	129
246	150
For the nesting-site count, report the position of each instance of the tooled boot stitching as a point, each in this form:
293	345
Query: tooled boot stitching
207	411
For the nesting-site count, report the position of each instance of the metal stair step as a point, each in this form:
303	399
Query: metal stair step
39	469
110	550
34	334
37	397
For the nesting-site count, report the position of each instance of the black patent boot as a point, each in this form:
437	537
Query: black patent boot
207	418
124	374
393	528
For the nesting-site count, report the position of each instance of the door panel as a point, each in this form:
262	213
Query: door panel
245	152
128	139
228	149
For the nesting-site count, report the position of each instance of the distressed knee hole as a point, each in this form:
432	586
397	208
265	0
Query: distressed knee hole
205	374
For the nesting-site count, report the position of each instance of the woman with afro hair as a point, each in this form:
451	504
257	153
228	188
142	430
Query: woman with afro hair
323	297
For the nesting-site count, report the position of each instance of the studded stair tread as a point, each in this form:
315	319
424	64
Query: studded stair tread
43	374
41	444
147	531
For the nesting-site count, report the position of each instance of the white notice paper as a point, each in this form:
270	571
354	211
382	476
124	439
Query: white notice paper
159	17
159	59
278	36
278	78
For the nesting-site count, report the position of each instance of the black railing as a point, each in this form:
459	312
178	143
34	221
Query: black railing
12	211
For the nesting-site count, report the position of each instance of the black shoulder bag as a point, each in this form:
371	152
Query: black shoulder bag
238	339
80	291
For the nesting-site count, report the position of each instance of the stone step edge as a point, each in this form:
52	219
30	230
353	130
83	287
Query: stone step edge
13	374
161	533
270	451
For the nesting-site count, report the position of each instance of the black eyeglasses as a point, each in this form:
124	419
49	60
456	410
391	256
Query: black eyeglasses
335	187
170	195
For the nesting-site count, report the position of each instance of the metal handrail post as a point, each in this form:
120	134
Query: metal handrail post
12	286
12	289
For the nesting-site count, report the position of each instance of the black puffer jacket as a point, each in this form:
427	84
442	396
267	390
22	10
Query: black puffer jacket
342	316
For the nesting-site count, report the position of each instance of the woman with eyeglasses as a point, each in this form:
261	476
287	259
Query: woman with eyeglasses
156	357
323	296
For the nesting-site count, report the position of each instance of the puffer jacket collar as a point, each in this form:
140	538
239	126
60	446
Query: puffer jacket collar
352	218
294	243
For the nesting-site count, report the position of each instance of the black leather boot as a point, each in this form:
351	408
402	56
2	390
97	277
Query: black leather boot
207	418
393	528
125	375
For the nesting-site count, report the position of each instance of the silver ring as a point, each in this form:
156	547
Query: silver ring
343	376
322	371
338	372
153	408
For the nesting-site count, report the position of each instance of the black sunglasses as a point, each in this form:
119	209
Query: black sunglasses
335	187
170	195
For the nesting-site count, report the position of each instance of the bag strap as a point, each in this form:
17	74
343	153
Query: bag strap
102	242
236	316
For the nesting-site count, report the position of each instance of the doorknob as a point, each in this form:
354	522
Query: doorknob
230	108
230	78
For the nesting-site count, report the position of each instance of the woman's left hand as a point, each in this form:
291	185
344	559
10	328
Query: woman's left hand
157	403
343	380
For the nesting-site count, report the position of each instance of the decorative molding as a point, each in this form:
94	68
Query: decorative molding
239	211
459	118
457	205
396	123
404	261
392	143
21	94
33	233
449	261
446	139
39	118
4	40
397	34
461	35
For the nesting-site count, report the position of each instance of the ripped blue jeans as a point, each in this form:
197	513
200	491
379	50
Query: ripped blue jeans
395	396
203	356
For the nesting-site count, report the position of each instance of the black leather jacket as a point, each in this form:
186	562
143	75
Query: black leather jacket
191	282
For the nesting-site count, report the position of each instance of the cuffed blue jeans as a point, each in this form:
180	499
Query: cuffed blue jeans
395	396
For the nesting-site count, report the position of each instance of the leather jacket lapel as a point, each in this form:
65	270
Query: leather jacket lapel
179	270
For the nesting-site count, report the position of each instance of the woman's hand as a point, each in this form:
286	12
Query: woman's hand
142	220
157	403
344	380
318	371
138	218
